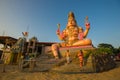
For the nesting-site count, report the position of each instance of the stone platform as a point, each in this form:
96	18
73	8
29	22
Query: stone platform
92	62
74	49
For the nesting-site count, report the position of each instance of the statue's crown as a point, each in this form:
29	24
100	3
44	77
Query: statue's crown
71	16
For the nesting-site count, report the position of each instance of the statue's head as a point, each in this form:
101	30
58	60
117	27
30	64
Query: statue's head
71	20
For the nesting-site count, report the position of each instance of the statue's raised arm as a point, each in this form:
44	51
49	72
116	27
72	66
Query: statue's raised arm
87	25
61	35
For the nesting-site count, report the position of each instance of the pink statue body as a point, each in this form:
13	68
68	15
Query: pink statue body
72	35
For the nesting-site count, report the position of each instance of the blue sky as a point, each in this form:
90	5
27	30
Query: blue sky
42	17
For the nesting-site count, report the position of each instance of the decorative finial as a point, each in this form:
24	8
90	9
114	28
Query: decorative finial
86	18
58	25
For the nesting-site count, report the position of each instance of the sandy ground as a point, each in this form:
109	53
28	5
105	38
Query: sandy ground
12	73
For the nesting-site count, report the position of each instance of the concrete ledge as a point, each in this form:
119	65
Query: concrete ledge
74	49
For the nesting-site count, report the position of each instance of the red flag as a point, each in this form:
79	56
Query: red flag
25	33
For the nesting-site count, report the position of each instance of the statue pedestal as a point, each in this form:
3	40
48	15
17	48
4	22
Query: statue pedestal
91	62
74	49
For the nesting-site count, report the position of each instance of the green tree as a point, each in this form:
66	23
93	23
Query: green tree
106	47
116	51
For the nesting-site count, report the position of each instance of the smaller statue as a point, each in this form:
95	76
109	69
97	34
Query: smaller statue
72	35
80	56
68	56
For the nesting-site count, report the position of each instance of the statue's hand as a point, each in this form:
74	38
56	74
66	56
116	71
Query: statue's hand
62	35
87	25
58	32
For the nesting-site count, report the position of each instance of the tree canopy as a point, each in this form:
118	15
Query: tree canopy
105	45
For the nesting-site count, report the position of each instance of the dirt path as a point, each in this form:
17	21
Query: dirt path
12	73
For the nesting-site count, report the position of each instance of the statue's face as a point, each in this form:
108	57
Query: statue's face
71	23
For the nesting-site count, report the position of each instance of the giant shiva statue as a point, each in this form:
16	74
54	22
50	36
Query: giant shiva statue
72	35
